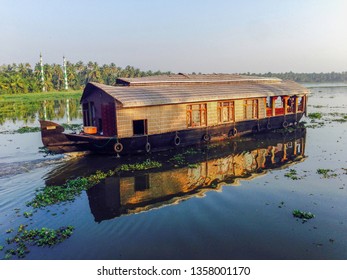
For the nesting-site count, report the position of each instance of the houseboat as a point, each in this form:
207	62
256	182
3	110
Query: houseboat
163	112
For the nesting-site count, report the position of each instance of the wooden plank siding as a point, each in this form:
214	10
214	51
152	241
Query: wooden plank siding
160	119
166	118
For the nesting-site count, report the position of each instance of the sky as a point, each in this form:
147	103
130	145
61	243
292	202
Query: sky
208	36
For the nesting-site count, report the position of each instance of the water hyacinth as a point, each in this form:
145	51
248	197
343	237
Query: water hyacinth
67	192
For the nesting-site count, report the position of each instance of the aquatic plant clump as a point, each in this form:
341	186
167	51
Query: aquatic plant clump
27	129
21	130
302	215
36	237
292	174
326	173
315	115
67	192
147	164
73	127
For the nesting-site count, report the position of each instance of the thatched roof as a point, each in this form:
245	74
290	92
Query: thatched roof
173	89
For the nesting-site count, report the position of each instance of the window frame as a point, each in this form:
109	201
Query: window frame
254	104
231	111
202	111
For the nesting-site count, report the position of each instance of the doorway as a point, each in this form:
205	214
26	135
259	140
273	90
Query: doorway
140	127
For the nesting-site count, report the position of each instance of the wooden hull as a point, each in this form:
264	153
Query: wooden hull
56	141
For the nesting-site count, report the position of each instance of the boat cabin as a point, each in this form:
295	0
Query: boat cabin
176	103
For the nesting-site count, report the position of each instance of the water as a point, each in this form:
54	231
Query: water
232	202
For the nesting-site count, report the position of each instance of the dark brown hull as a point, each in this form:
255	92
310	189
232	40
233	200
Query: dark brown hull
56	141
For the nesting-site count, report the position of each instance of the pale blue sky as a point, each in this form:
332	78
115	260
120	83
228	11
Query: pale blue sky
179	35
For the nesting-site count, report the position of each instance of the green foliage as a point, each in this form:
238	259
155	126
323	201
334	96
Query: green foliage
326	173
27	129
68	191
22	78
73	127
302	215
147	164
315	115
292	174
36	237
181	158
27	214
178	159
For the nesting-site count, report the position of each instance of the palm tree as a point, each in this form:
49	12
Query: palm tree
93	72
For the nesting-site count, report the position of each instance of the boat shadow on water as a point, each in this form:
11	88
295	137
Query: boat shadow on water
185	173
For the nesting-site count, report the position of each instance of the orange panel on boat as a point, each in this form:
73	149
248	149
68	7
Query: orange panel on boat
90	129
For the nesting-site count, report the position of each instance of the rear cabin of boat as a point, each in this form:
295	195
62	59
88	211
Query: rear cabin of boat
171	103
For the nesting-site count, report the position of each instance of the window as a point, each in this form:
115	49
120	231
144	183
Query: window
301	102
250	109
225	111
140	127
279	105
291	104
196	115
88	114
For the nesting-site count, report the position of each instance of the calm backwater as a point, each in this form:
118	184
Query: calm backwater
230	200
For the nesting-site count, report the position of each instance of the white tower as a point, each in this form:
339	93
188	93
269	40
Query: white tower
65	75
42	75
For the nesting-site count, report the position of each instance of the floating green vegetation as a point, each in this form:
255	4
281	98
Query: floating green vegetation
24	129
336	114
317	106
50	195
326	173
302	215
36	237
67	192
1	247
292	174
190	151
315	115
27	129
180	159
147	164
27	214
73	127
341	120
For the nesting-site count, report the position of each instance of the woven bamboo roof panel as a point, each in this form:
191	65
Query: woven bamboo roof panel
139	96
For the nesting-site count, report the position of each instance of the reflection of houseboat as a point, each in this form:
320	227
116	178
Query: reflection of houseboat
161	112
142	191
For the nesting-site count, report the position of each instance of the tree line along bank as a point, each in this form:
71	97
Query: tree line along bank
23	78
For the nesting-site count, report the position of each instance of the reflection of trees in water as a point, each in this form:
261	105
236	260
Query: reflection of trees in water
30	112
